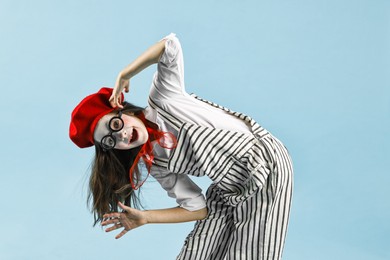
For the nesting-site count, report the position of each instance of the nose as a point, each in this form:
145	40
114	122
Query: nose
121	134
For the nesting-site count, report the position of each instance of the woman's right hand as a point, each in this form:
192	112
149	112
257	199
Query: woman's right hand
120	85
129	219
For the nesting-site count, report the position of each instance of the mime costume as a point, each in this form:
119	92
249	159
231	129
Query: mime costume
249	200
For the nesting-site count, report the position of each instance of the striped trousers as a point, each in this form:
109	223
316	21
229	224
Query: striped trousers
248	210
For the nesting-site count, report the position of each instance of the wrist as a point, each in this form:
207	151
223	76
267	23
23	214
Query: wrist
123	75
146	216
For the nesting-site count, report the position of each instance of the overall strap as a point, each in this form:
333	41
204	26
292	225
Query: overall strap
173	121
255	127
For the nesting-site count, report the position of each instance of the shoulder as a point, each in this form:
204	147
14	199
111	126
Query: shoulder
172	48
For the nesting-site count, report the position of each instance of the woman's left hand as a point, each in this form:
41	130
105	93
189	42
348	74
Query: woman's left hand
130	219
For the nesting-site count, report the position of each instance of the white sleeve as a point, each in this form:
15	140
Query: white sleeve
169	79
179	186
172	49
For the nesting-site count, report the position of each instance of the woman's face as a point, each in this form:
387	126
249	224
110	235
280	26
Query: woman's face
132	134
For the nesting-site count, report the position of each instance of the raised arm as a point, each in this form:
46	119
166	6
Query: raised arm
149	57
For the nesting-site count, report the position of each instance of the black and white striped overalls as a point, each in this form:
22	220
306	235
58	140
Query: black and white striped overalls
249	200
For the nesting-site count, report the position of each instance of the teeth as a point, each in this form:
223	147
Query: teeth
130	136
133	134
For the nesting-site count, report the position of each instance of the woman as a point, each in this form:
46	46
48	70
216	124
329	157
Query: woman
246	209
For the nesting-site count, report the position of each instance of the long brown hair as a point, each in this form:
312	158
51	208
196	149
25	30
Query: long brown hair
109	181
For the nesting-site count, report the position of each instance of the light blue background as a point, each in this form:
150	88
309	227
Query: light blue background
314	73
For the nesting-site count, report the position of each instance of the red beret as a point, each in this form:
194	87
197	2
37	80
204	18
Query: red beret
87	114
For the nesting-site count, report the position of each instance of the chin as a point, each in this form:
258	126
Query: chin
143	141
143	138
138	143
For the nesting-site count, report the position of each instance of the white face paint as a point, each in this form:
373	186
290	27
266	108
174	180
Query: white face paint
132	134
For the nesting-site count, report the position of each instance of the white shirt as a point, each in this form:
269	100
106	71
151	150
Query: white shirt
168	92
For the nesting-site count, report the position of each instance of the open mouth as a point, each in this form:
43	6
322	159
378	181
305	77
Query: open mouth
134	136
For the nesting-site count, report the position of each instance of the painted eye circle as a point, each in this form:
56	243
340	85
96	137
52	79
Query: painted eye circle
116	124
108	142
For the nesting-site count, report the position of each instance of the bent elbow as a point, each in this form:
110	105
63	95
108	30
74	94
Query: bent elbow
202	213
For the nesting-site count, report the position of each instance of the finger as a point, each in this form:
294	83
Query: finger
121	234
112	100
110	221
115	101
111	215
124	207
127	86
113	104
114	227
119	102
111	218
